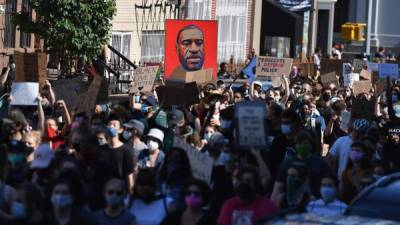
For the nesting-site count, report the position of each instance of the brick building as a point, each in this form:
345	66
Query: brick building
11	39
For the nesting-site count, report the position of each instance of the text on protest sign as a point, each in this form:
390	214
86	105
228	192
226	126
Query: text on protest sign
372	66
389	70
329	78
143	79
250	118
358	65
348	76
200	163
24	93
362	86
332	65
273	67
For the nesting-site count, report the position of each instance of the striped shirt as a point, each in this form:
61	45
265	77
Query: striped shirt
319	207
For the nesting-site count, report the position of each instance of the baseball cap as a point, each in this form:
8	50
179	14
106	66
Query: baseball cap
135	124
176	117
42	157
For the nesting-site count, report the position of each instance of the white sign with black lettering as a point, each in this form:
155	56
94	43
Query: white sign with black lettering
250	118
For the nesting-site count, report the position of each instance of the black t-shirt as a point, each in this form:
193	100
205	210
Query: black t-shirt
176	219
279	148
121	160
317	168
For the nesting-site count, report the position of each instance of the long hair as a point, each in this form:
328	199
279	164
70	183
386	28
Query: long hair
184	170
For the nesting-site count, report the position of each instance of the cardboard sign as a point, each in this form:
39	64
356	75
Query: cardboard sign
143	79
380	86
178	94
24	93
362	109
358	65
87	101
201	54
332	65
250	119
362	86
389	70
372	66
365	74
199	76
200	163
273	67
31	67
329	78
67	90
349	79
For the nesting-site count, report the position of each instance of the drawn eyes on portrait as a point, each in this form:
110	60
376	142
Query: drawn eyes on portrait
188	43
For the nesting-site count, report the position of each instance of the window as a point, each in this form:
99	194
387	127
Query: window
152	46
25	40
232	27
199	10
9	31
121	41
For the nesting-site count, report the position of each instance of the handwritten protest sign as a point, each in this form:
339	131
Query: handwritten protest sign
389	70
350	78
365	74
358	65
200	163
250	124
86	101
24	93
362	86
143	79
273	67
329	78
362	109
31	67
373	66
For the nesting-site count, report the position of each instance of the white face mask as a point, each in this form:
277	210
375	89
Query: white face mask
152	145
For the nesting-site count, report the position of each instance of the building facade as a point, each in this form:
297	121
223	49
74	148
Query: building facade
11	38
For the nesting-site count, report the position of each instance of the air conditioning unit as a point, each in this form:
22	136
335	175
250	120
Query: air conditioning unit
2	9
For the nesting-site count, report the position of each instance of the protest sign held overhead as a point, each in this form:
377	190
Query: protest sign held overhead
67	90
200	163
143	79
273	67
250	124
332	65
31	67
362	86
24	93
329	78
178	94
358	65
190	49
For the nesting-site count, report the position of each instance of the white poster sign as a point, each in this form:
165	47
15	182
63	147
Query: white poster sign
24	93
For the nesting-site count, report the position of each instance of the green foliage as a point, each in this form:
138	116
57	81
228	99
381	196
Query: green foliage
70	28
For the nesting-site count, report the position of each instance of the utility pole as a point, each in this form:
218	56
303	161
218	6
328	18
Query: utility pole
313	33
368	39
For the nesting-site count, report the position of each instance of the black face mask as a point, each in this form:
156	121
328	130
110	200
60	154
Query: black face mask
326	97
76	146
245	191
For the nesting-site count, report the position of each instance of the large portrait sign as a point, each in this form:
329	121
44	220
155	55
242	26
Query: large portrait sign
190	49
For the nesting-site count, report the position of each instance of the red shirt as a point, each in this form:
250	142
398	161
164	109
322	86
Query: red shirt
235	211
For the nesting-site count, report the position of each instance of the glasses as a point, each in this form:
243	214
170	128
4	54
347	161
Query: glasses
195	193
112	192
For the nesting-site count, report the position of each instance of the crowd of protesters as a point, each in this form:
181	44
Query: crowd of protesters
119	165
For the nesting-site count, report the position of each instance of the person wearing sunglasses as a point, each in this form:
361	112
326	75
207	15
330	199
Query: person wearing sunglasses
196	196
114	212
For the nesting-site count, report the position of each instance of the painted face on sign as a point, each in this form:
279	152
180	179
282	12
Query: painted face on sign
190	48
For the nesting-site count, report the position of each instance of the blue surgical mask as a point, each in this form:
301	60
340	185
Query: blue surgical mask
112	132
137	98
396	109
395	98
286	129
114	200
127	135
18	210
328	194
61	200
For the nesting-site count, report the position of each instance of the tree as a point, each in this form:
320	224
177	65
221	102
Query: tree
73	30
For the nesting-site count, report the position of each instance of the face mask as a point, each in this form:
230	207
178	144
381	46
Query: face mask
18	210
286	129
152	145
61	200
225	124
15	159
102	142
326	97
127	135
244	191
50	132
356	156
114	200
304	150
112	132
193	201
328	194
207	136
395	98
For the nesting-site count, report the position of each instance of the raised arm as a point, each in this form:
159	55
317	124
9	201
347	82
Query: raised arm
52	96
285	98
40	125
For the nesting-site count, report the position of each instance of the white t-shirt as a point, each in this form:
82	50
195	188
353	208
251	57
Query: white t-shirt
150	214
341	150
318	207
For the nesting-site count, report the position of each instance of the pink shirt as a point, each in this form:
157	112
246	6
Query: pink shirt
236	211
